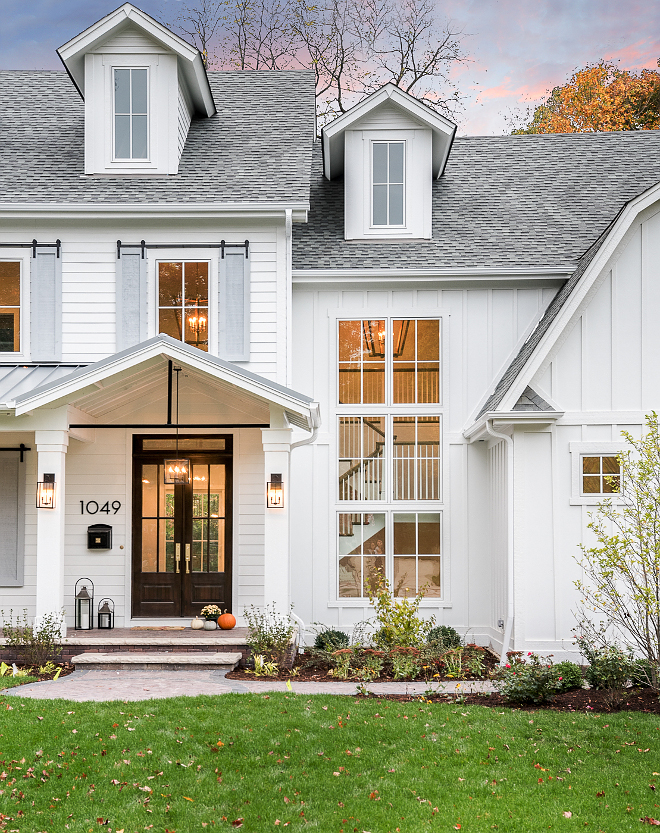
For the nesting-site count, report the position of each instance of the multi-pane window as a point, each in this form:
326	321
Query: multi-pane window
183	301
10	306
130	104
374	351
416	457
415	361
362	553
601	475
361	458
416	553
387	183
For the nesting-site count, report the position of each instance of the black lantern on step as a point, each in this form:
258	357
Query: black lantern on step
105	616
84	618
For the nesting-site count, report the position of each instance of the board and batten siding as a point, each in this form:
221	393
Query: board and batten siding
89	268
482	330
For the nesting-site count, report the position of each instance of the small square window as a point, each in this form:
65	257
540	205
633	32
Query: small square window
601	475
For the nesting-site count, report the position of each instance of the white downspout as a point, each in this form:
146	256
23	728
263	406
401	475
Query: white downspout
508	628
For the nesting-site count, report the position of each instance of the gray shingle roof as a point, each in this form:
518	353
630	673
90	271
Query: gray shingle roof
529	400
519	201
525	353
257	148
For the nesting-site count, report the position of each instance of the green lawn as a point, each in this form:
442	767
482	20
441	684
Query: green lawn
322	763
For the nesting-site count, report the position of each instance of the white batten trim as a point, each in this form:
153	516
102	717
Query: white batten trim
478	273
262	210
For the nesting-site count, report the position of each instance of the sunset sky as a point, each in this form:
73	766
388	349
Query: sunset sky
518	49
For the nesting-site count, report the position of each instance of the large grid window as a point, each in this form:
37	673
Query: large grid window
416	458
10	306
415	361
362	362
362	553
183	302
387	183
416	553
131	128
361	458
601	475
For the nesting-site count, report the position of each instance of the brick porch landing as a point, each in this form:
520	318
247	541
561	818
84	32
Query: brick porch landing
128	640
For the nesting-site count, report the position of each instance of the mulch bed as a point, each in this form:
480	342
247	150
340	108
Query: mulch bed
65	669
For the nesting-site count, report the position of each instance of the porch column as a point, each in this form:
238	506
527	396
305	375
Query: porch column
277	449
51	458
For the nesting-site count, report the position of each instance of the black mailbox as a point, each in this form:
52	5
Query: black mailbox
99	537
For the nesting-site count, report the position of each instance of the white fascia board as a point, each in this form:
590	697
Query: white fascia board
501	419
476	273
73	52
332	135
153	349
574	303
146	210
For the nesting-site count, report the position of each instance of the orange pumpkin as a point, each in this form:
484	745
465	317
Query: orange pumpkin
227	621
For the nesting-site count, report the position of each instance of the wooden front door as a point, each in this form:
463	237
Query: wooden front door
181	533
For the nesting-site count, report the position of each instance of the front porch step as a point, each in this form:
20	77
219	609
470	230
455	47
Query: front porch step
156	661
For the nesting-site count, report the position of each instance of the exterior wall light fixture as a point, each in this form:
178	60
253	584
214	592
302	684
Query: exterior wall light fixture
46	492
275	492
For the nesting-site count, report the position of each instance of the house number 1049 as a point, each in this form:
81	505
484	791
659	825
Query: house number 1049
92	507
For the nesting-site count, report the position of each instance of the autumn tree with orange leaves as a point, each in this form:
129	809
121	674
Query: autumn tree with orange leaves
598	98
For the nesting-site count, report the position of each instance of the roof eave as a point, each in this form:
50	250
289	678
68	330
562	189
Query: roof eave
502	419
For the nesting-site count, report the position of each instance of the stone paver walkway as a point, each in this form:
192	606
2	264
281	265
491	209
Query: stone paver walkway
140	685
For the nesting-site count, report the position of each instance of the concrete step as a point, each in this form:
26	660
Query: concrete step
157	661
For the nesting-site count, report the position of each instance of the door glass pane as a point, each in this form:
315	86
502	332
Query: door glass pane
216	539
166	560
149	546
150	491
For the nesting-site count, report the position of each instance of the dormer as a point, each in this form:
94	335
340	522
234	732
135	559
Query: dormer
389	148
141	85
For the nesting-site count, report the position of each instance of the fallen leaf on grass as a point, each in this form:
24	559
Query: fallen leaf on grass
600	795
567	814
237	823
649	820
188	799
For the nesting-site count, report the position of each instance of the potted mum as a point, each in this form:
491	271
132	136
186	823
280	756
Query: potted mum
211	613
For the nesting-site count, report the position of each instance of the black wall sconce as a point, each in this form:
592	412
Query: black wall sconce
46	492
275	492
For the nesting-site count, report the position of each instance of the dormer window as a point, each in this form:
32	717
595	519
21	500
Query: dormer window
388	183
131	128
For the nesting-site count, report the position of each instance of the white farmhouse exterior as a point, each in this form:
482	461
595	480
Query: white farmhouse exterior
428	344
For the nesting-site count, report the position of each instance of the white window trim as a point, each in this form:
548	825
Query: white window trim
191	256
389	512
387	226
130	161
24	313
578	450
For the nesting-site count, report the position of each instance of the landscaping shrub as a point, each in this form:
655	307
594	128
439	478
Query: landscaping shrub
406	663
444	637
645	674
34	646
269	632
331	640
399	624
569	675
532	681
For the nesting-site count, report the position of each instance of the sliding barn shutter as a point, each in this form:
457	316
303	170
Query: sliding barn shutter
234	306
12	521
46	305
131	298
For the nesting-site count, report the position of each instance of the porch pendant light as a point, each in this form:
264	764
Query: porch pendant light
177	471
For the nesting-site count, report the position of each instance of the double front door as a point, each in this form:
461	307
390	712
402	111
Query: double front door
181	532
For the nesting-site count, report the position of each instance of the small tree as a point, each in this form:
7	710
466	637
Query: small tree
622	573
